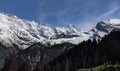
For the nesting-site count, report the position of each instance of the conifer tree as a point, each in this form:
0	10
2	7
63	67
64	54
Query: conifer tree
28	66
67	65
11	63
39	67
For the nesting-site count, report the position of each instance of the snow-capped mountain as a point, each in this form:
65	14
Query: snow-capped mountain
17	34
23	33
104	28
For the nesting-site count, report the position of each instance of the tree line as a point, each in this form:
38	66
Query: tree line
87	54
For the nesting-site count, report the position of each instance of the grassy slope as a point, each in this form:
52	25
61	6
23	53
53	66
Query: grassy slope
101	67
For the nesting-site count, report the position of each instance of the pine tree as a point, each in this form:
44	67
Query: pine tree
39	66
11	63
67	65
28	66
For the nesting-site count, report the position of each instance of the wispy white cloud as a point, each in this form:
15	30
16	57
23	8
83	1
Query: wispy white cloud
91	21
61	13
88	12
42	16
107	14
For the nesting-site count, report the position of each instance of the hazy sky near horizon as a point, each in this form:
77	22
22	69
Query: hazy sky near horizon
82	13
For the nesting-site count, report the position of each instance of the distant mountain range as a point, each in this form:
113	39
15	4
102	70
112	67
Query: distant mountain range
24	33
37	40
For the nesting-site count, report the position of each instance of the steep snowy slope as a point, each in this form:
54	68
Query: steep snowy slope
17	34
39	52
16	31
104	27
24	33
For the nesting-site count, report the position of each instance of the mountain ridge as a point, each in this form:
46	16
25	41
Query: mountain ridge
37	41
24	33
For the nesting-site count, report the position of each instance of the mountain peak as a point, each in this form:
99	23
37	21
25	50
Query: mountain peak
112	21
108	24
24	33
105	27
71	25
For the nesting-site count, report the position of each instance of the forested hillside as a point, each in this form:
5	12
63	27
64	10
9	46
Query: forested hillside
85	55
89	54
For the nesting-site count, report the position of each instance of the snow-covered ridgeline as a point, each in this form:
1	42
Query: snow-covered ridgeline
24	33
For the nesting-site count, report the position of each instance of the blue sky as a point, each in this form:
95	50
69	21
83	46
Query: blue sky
82	13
